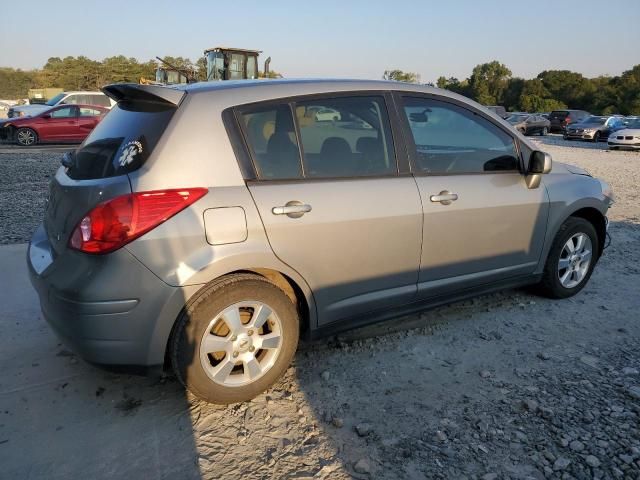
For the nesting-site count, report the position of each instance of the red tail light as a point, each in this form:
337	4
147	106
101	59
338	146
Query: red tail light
116	222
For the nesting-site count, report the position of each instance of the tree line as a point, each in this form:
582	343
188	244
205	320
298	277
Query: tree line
489	84
493	84
82	73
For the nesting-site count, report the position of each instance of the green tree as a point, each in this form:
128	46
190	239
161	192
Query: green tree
570	88
488	82
400	76
454	85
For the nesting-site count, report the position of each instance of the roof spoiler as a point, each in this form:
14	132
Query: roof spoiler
144	93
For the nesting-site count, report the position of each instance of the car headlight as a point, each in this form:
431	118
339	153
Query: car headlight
607	191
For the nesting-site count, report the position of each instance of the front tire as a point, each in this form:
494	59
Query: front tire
26	137
544	132
572	257
596	137
235	340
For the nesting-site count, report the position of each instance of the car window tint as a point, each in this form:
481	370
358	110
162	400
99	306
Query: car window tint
89	112
71	100
345	137
63	112
270	134
453	140
100	100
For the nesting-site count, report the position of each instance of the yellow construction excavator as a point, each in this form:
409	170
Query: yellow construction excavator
222	64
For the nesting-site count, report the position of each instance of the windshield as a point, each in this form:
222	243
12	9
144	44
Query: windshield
54	101
594	121
633	123
516	118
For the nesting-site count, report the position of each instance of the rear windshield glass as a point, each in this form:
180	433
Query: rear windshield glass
558	114
121	142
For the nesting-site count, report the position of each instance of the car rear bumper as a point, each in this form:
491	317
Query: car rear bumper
105	308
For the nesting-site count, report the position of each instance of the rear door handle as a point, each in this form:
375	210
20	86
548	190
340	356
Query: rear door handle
292	209
445	197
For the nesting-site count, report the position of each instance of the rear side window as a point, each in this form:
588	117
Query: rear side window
100	100
271	136
453	140
122	141
345	137
336	136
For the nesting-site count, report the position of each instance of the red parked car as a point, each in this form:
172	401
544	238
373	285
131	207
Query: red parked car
61	124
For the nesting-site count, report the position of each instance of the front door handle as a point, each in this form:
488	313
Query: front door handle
445	197
292	209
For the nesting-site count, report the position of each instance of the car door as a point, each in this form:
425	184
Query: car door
343	217
88	118
59	124
481	222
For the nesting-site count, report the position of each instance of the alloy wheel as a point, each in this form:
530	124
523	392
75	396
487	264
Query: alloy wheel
26	137
575	259
241	344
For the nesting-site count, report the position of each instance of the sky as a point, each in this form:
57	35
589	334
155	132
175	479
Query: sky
327	38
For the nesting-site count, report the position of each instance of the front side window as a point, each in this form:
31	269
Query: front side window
63	112
345	137
270	134
453	140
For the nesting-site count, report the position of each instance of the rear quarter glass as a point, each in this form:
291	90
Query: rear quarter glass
122	142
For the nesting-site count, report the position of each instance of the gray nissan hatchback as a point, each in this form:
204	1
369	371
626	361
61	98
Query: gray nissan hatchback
207	227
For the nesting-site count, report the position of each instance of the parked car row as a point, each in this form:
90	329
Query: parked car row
62	124
617	130
68	117
65	98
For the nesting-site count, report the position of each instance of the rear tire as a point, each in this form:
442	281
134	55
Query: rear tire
215	348
544	132
552	284
26	137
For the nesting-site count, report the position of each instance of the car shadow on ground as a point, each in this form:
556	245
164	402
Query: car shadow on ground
380	399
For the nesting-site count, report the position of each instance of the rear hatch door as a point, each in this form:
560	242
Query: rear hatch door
98	170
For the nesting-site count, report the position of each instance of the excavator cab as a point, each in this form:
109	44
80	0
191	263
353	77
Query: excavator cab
231	63
165	76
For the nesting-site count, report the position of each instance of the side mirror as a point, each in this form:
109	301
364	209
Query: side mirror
539	162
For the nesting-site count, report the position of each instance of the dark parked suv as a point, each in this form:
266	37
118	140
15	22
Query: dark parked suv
561	118
205	227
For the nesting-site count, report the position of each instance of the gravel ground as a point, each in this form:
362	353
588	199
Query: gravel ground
503	386
24	178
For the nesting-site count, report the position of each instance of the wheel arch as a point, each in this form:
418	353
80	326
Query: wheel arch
288	285
597	219
18	127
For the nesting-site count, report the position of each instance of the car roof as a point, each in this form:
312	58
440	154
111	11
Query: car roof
290	87
73	92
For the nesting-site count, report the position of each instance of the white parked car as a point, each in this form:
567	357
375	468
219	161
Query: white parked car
627	138
64	98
